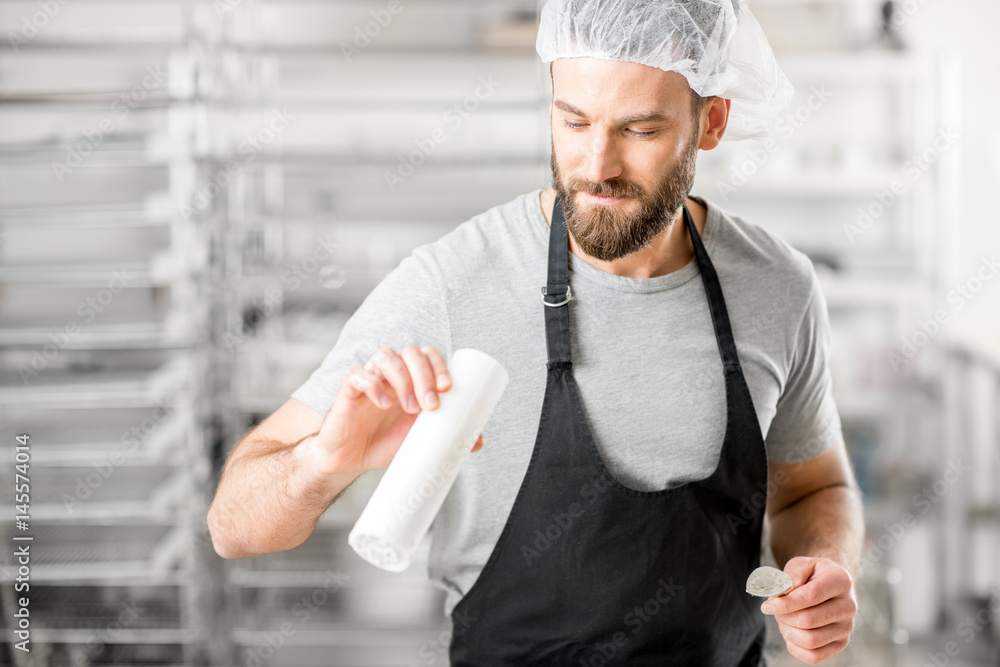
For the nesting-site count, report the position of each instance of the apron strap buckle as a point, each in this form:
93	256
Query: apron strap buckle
569	297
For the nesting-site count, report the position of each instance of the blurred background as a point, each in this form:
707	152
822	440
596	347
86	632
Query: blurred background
196	195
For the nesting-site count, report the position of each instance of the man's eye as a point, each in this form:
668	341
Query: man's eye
576	126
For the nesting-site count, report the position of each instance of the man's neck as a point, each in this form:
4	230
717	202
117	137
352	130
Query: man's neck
669	251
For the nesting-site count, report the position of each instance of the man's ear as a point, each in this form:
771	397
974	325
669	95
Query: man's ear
714	118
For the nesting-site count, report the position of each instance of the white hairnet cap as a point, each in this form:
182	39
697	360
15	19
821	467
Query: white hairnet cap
717	45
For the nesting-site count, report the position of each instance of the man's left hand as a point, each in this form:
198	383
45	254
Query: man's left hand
817	617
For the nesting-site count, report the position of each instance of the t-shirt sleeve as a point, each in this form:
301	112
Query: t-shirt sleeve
807	422
406	308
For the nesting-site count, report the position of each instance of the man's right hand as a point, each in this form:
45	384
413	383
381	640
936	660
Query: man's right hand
375	407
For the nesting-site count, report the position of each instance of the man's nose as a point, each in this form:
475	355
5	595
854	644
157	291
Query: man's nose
603	161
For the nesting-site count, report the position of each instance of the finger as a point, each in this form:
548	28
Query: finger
821	585
831	611
817	637
479	444
800	569
360	382
422	377
371	366
394	370
814	657
441	372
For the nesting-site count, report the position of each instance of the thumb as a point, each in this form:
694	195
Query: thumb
800	569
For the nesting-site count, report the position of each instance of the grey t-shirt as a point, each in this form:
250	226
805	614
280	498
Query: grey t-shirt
644	356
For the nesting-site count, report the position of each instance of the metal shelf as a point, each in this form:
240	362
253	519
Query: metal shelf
345	639
68	611
154	494
141	275
75	552
158	211
103	336
83	437
98	385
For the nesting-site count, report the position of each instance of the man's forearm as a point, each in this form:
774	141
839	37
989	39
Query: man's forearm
828	523
269	499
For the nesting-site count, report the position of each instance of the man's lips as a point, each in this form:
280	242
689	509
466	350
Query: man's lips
603	200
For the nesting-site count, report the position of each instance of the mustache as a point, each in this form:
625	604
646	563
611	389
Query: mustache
610	188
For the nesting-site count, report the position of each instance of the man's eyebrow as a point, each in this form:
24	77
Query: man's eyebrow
646	117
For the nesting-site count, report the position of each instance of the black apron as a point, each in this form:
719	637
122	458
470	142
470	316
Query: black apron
589	572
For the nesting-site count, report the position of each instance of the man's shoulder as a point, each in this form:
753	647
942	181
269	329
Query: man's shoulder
753	247
761	269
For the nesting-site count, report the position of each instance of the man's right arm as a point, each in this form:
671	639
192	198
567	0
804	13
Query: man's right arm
283	475
271	496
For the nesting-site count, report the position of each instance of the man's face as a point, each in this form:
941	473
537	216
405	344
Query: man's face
624	145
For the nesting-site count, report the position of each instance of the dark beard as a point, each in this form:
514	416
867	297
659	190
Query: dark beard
608	233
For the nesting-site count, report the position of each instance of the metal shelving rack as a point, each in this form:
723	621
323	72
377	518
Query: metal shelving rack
103	330
312	227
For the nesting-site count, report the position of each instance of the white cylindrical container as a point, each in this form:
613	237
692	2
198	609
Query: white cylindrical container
418	478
